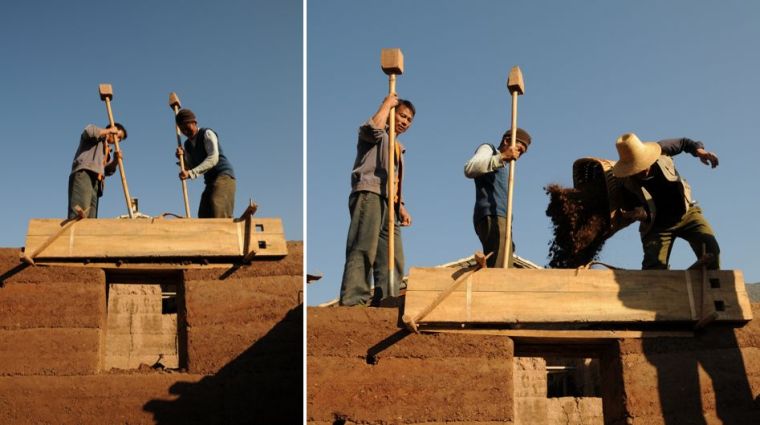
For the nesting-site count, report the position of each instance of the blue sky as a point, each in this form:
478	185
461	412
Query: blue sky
237	64
593	70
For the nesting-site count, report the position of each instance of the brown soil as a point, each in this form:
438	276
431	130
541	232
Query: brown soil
580	221
363	369
244	346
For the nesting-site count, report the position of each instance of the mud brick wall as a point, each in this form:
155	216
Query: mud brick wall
530	391
244	348
228	310
574	411
715	376
50	318
363	368
137	331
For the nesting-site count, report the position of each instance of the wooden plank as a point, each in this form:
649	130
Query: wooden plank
576	336
561	295
118	238
112	265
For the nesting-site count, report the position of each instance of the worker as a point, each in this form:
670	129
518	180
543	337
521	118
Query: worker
92	163
665	206
367	241
488	168
204	156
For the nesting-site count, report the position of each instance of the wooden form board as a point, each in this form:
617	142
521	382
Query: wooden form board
162	238
561	296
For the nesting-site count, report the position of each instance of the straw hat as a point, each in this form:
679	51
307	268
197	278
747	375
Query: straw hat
635	155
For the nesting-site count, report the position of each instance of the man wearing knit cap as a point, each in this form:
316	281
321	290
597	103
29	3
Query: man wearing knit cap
92	163
665	206
203	156
488	167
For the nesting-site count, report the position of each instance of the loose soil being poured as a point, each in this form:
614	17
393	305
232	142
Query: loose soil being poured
580	222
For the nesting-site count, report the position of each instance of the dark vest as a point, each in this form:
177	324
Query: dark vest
491	193
197	154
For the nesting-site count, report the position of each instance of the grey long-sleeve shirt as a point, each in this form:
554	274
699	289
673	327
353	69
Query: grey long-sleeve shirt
91	153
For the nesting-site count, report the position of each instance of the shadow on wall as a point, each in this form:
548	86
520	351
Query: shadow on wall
680	391
11	272
264	384
677	362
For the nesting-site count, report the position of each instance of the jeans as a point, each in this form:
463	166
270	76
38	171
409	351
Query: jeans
367	252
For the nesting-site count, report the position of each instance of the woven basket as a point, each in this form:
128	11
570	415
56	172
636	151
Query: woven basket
595	174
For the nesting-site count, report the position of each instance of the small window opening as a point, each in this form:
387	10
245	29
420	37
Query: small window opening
572	377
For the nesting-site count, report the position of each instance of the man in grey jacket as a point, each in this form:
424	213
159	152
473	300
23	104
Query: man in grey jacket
367	241
92	163
666	209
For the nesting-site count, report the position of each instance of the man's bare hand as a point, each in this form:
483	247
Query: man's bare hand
391	100
404	217
707	158
509	153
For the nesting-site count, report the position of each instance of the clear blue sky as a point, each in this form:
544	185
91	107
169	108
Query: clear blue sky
593	70
237	64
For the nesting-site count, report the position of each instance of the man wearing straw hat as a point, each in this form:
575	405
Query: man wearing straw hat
488	167
667	210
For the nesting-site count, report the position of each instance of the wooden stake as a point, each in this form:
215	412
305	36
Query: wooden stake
175	105
411	322
106	93
81	214
516	87
392	63
705	319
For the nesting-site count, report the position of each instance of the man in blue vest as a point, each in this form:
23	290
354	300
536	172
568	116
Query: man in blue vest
92	163
488	167
203	156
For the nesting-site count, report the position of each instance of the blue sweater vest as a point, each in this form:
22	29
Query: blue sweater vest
491	193
198	153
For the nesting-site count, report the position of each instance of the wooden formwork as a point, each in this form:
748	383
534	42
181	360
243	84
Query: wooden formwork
510	296
124	239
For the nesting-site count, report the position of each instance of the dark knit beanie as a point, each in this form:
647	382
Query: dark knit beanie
185	115
522	137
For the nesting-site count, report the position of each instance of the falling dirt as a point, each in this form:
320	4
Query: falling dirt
580	223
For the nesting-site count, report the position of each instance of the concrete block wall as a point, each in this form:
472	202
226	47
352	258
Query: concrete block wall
363	369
